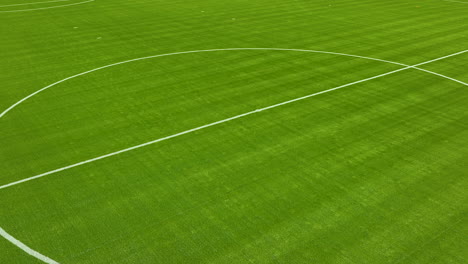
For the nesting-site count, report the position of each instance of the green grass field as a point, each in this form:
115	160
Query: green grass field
369	165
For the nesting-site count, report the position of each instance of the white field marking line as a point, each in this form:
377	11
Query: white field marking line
45	259
438	74
228	49
42	8
35	3
25	248
50	261
219	122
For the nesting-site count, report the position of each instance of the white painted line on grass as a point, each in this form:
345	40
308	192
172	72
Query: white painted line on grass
35	3
438	74
438	59
46	259
228	49
43	8
25	248
223	121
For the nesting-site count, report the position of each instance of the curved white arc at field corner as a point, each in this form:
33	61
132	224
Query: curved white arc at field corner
2	114
25	248
36	3
43	8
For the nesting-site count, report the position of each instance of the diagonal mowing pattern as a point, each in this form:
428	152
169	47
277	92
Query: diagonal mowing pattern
230	119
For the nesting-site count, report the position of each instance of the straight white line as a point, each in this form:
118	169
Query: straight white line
438	59
36	3
25	248
2	114
438	74
223	121
42	8
192	130
443	76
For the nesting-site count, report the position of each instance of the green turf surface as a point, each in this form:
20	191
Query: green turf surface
371	173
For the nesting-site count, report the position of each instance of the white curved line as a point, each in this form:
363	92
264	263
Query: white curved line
229	49
25	248
223	121
50	7
193	130
46	259
35	3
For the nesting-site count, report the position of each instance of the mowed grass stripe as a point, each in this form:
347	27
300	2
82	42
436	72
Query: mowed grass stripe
376	176
231	118
455	68
326	167
214	103
178	29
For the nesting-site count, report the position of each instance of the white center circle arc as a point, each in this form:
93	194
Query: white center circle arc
2	114
46	259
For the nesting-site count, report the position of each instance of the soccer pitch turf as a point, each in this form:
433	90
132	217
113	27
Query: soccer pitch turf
244	131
